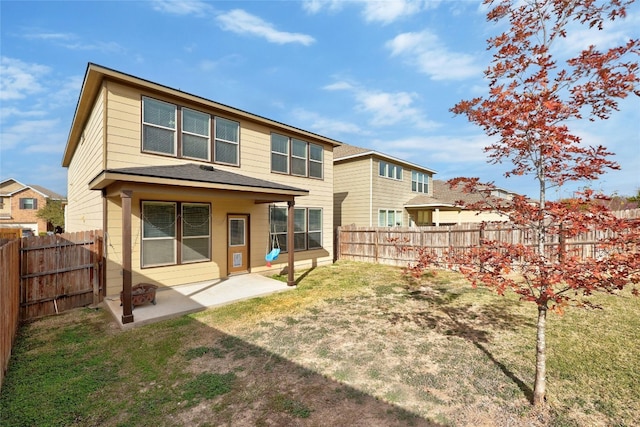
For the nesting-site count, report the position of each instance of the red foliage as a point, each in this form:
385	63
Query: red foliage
532	98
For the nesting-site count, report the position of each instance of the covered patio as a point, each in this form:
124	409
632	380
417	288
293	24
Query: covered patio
176	301
228	195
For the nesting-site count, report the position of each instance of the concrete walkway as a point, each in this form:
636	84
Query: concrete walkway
179	300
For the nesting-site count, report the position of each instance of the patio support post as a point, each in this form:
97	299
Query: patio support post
290	242
127	307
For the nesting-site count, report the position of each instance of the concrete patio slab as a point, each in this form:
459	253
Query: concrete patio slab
179	300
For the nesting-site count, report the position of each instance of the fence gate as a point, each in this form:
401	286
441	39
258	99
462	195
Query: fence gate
60	272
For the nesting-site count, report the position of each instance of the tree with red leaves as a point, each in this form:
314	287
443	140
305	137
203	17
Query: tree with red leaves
532	97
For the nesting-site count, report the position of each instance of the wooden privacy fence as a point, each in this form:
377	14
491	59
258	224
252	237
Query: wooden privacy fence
10	233
46	275
9	299
60	272
380	244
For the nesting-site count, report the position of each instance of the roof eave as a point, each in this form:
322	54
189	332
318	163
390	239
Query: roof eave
107	178
386	157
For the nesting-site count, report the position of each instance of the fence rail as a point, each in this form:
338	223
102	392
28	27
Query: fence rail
380	244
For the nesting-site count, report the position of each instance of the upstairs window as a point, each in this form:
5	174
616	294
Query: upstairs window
279	153
296	157
227	141
390	170
195	134
159	126
315	160
28	203
419	182
185	133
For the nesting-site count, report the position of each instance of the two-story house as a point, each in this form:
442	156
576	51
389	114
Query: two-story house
19	204
189	190
372	189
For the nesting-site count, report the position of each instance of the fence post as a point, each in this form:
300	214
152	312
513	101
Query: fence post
561	243
375	247
480	242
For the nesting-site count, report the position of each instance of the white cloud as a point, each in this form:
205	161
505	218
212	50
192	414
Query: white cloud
183	8
436	149
241	22
385	108
389	11
19	79
339	86
381	11
27	134
48	36
71	41
326	126
315	6
580	37
425	51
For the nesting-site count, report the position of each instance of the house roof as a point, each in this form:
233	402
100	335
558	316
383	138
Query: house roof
96	74
18	187
444	196
192	175
346	152
47	193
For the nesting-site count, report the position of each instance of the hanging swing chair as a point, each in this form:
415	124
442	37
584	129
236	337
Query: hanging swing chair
275	251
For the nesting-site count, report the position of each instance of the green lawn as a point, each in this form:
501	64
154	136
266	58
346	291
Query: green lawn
349	346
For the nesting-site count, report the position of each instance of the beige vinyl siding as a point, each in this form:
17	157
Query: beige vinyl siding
351	192
10	186
84	210
391	193
123	137
221	206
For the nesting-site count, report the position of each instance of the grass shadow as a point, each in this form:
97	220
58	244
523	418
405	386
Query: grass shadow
181	371
470	323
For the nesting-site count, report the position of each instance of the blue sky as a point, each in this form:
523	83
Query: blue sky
381	75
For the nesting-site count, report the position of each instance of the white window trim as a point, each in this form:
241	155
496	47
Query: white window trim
227	141
397	214
388	167
174	129
208	136
282	234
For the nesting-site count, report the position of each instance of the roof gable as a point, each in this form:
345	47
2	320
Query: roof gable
347	152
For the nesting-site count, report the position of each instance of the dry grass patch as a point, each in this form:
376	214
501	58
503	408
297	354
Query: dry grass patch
351	345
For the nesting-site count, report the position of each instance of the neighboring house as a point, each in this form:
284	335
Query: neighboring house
19	204
443	207
372	189
189	190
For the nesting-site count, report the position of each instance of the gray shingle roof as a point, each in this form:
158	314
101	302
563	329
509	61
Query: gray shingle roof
203	173
443	195
50	194
346	150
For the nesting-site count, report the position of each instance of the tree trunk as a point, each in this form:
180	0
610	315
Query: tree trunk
539	389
